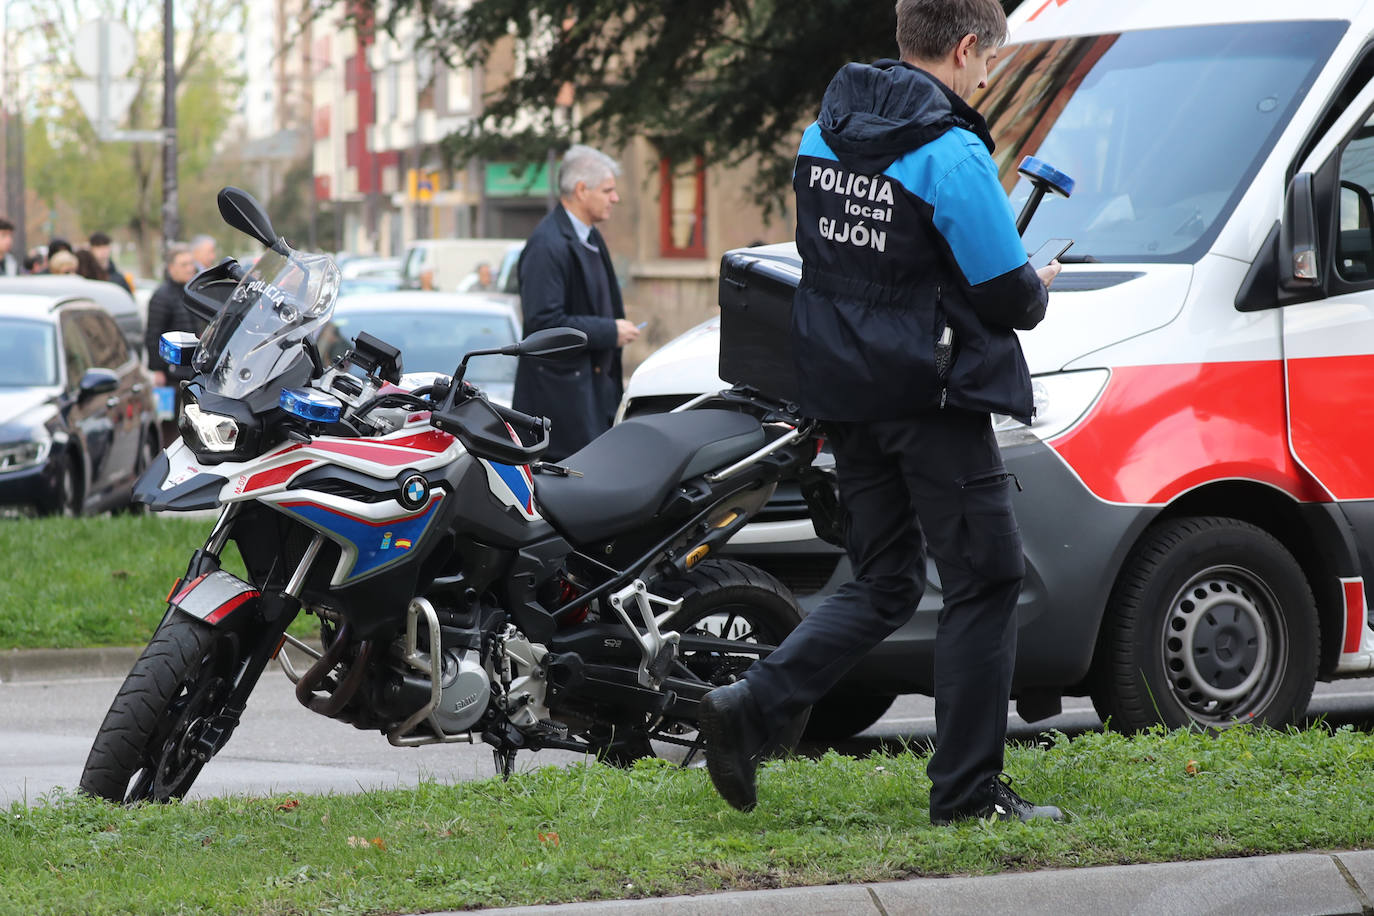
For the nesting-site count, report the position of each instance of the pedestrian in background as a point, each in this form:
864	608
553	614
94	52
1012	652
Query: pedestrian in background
904	350
566	280
100	247
479	281
57	245
9	264
204	252
167	311
36	262
88	266
62	263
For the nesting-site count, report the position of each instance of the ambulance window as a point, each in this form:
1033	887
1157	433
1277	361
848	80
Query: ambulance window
1355	241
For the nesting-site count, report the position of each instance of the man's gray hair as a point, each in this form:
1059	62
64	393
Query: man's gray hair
202	239
587	165
930	29
174	249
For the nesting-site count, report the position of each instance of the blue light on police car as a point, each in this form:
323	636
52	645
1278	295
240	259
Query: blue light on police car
177	347
308	404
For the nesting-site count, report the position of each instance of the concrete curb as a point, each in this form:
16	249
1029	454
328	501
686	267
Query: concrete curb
66	664
1300	884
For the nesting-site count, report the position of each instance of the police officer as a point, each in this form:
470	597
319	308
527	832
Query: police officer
914	280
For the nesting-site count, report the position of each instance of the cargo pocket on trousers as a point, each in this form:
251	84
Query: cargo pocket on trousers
992	541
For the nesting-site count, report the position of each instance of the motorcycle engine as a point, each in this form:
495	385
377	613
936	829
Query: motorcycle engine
465	691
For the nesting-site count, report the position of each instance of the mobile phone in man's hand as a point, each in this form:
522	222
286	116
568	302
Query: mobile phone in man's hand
1048	252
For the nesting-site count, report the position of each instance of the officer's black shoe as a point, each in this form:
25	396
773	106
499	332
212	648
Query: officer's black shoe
735	740
1002	803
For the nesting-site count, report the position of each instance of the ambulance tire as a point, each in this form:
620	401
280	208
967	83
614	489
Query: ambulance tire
1211	622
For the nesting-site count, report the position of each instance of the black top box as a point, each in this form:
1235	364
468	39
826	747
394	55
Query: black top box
756	290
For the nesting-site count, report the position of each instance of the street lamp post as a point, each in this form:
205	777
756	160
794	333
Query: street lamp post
171	224
11	140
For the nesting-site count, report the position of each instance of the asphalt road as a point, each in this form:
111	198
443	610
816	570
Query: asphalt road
46	729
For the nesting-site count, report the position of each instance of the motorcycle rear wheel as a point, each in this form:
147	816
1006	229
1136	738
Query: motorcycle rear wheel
723	599
152	744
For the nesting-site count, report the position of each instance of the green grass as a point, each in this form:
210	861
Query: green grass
101	581
591	832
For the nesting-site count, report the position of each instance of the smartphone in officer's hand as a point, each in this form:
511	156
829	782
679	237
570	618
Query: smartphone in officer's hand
1048	252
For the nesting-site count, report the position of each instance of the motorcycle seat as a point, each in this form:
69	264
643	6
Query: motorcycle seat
628	471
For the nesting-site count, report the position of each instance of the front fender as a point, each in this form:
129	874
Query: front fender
215	597
197	491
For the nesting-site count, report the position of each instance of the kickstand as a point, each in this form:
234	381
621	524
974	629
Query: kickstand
505	762
697	747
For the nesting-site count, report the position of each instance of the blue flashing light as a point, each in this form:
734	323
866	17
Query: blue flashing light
308	404
177	347
1056	180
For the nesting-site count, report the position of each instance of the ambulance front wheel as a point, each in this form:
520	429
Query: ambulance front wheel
1211	622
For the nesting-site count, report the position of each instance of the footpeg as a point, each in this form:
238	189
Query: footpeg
657	650
663	662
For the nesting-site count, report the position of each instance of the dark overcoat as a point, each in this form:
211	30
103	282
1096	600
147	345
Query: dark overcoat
167	311
578	394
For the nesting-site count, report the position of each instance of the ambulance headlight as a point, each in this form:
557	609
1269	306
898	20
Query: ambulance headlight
1061	400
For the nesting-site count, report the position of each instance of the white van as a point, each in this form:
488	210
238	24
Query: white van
453	260
1197	489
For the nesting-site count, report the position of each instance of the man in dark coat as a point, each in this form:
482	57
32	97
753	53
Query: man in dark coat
167	311
913	285
566	280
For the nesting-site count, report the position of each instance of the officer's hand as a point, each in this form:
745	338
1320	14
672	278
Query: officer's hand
1049	272
625	331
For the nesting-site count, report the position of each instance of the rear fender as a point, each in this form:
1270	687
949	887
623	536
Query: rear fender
216	598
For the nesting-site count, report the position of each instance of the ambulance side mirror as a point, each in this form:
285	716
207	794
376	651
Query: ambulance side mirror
1299	256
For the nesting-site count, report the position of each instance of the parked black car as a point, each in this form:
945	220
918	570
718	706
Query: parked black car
77	416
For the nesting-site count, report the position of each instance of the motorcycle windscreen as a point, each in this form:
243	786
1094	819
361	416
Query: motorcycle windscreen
284	300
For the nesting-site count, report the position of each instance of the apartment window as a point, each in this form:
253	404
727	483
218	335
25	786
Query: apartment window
682	208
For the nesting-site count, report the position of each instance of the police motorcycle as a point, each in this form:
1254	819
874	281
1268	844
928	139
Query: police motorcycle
465	591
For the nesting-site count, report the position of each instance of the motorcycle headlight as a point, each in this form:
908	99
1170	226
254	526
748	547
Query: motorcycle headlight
1061	400
18	456
215	432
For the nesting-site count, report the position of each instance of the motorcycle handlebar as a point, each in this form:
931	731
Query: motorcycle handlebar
520	420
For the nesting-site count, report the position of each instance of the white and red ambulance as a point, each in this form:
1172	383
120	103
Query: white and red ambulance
1197	498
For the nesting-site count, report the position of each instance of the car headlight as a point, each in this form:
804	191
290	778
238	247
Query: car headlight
1061	400
215	432
18	456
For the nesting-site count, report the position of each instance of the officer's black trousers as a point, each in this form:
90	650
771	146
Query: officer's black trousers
935	480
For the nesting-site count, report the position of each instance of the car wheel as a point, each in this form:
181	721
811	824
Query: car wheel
1211	622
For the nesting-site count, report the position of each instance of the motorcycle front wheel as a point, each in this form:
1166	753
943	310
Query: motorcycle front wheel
158	733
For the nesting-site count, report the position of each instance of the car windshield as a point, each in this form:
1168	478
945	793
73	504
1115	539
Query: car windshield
434	340
1162	130
284	300
28	353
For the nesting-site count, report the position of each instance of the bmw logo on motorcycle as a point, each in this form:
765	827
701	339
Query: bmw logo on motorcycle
414	491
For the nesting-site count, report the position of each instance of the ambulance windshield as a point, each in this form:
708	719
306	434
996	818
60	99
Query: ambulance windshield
1162	130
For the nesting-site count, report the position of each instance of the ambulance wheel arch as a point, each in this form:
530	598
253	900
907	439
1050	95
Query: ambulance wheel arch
1211	621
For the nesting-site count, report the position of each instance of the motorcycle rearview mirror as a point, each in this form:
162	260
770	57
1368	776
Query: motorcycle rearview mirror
552	342
242	211
540	344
